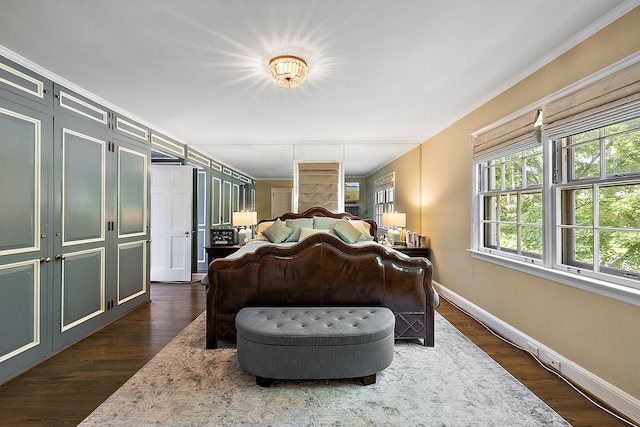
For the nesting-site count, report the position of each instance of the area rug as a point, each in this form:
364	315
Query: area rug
452	384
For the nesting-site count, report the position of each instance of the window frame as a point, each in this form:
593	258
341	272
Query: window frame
383	196
548	267
566	182
519	152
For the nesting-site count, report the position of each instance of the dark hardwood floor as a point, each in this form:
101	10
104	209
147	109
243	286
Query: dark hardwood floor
69	386
66	388
567	402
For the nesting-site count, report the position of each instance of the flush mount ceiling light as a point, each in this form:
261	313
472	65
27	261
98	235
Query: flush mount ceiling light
288	71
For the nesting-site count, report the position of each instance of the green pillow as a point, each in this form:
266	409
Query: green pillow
277	232
297	224
324	222
346	231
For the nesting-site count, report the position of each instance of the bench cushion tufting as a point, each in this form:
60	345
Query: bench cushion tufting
315	342
315	326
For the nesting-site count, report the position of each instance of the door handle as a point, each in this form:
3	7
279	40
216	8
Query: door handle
60	257
43	260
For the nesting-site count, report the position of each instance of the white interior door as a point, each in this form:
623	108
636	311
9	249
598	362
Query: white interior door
280	201
171	222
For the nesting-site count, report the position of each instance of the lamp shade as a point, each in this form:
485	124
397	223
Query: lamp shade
245	218
394	219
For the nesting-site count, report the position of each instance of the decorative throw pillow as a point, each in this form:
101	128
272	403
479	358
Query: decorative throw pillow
346	231
297	224
324	222
306	232
277	232
365	237
261	227
361	225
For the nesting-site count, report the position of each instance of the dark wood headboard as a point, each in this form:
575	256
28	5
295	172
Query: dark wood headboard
320	211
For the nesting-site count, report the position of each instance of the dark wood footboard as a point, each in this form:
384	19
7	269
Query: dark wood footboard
322	270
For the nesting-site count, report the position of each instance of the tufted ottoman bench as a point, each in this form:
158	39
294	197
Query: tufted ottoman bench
314	342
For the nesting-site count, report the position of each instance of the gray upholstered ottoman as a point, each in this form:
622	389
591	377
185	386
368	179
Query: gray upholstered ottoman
315	342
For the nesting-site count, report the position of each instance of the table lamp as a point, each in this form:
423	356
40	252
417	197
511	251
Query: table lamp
394	220
244	219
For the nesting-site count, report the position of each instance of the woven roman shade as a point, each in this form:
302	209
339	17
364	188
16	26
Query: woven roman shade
610	93
522	127
319	185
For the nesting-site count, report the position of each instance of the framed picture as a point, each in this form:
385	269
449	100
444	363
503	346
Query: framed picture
351	192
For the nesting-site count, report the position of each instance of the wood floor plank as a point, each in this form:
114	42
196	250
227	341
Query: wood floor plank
67	387
566	401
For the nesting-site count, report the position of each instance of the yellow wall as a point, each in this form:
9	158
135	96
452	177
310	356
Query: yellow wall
598	333
263	195
408	187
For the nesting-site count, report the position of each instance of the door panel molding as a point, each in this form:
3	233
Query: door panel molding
17	199
71	187
133	253
132	194
27	269
80	281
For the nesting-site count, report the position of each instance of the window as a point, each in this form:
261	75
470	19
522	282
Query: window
511	203
599	199
383	189
559	197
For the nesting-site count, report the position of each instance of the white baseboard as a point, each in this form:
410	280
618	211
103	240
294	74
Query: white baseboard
608	393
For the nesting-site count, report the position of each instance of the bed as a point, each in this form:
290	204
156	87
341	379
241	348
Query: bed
327	260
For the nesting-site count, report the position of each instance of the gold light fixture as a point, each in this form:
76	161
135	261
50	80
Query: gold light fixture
288	71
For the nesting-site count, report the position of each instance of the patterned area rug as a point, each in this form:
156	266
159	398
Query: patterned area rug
452	384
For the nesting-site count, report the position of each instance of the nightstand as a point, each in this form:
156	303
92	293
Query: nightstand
219	251
413	251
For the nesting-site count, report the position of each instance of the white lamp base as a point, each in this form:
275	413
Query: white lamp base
244	235
393	235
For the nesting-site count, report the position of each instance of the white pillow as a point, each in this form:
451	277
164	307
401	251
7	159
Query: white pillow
361	225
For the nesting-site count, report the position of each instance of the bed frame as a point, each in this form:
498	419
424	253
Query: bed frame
322	271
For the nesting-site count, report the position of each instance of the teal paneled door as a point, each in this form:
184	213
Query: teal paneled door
203	206
131	227
80	226
25	141
74	217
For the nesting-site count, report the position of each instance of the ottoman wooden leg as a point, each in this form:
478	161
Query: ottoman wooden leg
368	380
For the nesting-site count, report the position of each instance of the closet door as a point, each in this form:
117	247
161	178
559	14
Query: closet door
203	207
130	227
24	250
80	223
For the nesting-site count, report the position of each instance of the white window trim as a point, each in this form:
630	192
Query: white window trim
547	268
384	182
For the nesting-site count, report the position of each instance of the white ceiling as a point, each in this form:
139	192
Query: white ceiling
383	75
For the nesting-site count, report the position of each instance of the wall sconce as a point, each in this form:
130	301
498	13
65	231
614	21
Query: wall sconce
244	219
394	220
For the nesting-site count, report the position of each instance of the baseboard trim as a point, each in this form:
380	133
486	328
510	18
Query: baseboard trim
608	393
